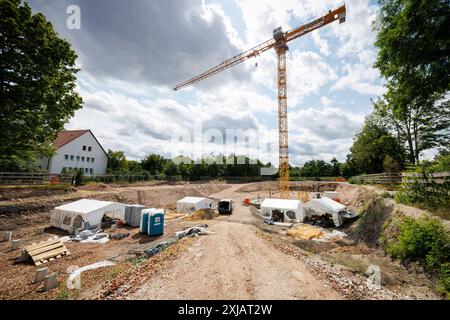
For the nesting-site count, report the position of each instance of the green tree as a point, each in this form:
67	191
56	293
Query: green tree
413	53
316	168
37	84
171	169
117	162
153	163
371	146
420	125
336	168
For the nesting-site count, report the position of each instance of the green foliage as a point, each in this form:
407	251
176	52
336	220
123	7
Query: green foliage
117	162
373	148
426	192
425	240
355	180
37	86
317	168
153	163
413	44
413	47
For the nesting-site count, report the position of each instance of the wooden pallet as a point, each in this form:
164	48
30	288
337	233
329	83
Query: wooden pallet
46	251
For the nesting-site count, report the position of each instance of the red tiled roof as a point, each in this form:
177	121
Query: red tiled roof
65	137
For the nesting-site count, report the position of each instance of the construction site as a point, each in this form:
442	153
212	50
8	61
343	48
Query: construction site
203	254
84	223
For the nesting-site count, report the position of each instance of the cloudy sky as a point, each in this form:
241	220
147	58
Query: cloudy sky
132	53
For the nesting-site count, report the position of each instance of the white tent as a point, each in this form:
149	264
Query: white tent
191	204
291	209
323	206
71	216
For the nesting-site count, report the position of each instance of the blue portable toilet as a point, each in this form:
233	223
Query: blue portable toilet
156	222
143	225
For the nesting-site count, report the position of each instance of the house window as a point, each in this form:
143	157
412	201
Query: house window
88	159
72	157
86	170
78	158
89	148
84	148
91	171
66	157
82	158
92	159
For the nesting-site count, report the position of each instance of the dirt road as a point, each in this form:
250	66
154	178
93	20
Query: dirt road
235	263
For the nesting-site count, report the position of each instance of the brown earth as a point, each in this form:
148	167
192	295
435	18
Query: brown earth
243	259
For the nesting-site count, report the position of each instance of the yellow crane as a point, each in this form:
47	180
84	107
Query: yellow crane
279	43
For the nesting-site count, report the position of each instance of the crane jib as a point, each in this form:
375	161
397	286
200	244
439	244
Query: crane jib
329	17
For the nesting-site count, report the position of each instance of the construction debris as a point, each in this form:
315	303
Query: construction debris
50	282
118	236
71	280
15	244
44	251
5	236
91	236
162	245
197	230
41	273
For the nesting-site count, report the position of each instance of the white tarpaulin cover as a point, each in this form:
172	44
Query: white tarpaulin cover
325	205
321	206
292	209
71	216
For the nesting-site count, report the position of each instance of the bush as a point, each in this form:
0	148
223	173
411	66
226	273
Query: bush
424	240
426	193
355	180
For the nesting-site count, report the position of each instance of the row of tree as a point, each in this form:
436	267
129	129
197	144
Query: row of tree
219	166
155	164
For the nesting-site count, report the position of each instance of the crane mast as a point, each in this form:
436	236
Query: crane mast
279	43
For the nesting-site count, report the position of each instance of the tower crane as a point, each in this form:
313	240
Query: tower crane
279	43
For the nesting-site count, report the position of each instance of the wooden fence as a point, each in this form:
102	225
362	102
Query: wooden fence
438	177
382	178
404	178
31	178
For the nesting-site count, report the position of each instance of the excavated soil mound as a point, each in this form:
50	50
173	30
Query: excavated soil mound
202	214
305	232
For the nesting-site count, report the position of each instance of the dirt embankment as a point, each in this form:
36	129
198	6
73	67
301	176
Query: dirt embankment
32	209
310	186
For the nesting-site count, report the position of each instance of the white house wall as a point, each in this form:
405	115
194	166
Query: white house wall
75	148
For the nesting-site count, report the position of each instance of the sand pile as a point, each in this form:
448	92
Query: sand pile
202	214
305	232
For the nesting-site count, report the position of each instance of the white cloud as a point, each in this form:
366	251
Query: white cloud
326	102
321	43
307	72
130	106
360	78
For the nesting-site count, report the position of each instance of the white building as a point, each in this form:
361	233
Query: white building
77	149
